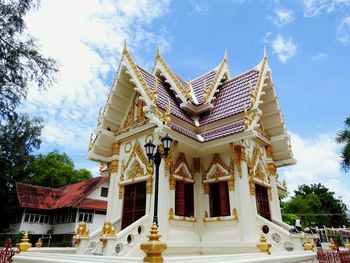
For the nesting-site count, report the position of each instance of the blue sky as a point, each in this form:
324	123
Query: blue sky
308	46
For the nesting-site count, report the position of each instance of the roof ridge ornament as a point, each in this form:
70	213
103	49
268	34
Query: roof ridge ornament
225	55
167	113
188	91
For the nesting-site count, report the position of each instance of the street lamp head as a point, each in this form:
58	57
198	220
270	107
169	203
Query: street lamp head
149	149
166	141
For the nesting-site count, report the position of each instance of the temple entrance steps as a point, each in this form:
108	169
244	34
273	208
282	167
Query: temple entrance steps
126	243
277	233
277	257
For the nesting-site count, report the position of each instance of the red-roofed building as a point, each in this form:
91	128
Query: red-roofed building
58	211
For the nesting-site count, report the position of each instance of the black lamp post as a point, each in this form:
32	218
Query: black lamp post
157	158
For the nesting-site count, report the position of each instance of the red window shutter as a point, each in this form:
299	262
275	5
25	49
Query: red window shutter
189	202
224	199
180	198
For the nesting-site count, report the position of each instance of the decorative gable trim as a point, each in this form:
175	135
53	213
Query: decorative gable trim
173	80
209	92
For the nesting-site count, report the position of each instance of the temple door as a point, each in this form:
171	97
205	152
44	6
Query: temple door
262	202
134	203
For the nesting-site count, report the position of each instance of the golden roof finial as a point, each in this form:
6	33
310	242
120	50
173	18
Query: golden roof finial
265	53
125	47
158	52
225	55
284	184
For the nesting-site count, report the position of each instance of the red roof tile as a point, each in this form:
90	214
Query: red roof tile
93	204
38	197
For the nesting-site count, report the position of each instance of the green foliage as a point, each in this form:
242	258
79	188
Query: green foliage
315	203
344	138
19	137
21	63
54	170
290	219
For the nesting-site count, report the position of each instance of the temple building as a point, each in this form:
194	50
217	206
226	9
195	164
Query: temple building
218	194
218	187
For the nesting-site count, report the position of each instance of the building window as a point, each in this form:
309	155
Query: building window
184	205
104	191
86	217
219	199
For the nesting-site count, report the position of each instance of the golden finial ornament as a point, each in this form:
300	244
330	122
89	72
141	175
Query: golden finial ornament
347	244
158	55
108	232
284	184
263	246
308	245
153	247
24	245
332	245
39	243
81	233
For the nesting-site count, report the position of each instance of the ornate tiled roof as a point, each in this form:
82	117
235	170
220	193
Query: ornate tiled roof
164	94
232	96
198	84
74	195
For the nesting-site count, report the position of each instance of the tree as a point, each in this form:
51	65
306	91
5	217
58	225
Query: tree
315	203
19	137
54	170
21	64
344	137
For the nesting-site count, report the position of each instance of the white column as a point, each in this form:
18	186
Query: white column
247	211
114	203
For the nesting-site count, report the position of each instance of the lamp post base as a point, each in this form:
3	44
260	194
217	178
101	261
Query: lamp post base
153	247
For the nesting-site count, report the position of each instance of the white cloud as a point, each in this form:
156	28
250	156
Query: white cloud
200	7
87	37
319	56
343	30
284	48
316	7
281	17
317	162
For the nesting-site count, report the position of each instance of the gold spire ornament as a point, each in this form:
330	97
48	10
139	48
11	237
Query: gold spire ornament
332	245
39	243
153	247
347	244
24	245
81	233
263	246
308	245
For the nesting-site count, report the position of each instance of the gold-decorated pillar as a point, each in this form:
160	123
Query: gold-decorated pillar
114	204
246	199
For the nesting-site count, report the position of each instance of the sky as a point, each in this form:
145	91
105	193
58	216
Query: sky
307	42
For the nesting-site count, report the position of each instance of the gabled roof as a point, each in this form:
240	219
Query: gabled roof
74	195
209	107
